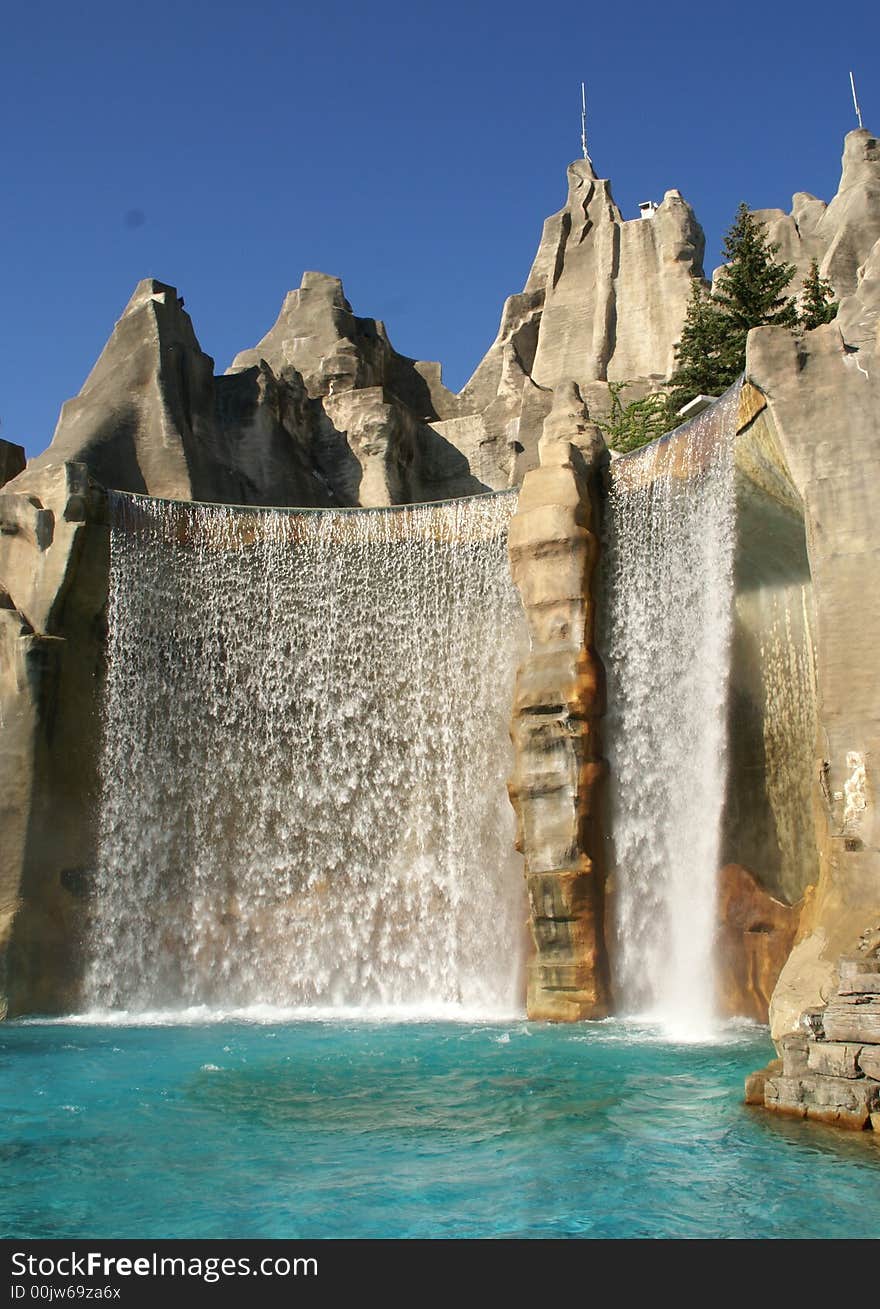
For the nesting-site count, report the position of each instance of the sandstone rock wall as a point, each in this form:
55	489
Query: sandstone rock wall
755	935
829	1071
768	820
53	584
558	701
823	394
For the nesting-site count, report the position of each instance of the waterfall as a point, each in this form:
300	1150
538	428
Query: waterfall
305	747
666	646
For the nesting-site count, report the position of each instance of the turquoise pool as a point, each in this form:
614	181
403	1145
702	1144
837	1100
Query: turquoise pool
346	1129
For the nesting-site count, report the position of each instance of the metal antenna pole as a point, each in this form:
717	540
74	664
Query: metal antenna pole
584	122
852	82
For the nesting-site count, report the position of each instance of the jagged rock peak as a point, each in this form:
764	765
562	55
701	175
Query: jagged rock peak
318	336
839	235
605	300
861	159
146	407
149	288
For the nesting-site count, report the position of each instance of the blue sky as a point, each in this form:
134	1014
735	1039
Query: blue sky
413	149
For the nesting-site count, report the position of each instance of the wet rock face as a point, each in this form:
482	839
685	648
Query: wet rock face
755	936
558	700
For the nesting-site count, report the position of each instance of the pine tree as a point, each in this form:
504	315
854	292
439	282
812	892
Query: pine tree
712	351
750	287
701	369
818	305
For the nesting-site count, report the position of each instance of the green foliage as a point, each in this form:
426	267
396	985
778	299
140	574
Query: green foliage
706	364
629	426
750	287
712	351
818	305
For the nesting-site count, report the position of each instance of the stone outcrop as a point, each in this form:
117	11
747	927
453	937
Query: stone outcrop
831	1066
754	939
605	300
558	701
143	420
372	408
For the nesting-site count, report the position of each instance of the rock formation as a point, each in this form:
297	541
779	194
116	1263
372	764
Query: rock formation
558	700
143	420
371	438
823	393
152	418
839	236
53	575
605	301
829	1069
754	937
12	461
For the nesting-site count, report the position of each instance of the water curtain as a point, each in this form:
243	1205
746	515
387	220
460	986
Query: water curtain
305	747
669	578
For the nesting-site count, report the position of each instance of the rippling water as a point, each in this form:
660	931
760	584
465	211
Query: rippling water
338	1128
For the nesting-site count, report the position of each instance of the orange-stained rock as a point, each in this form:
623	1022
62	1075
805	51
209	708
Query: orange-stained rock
755	936
756	1082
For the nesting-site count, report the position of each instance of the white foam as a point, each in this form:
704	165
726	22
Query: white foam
270	1015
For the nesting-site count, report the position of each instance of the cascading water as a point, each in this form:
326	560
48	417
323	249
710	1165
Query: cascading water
305	751
666	646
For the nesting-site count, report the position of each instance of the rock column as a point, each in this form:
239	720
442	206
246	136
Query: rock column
559	699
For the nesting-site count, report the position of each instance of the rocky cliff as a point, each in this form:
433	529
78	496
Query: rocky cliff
605	300
324	411
823	397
